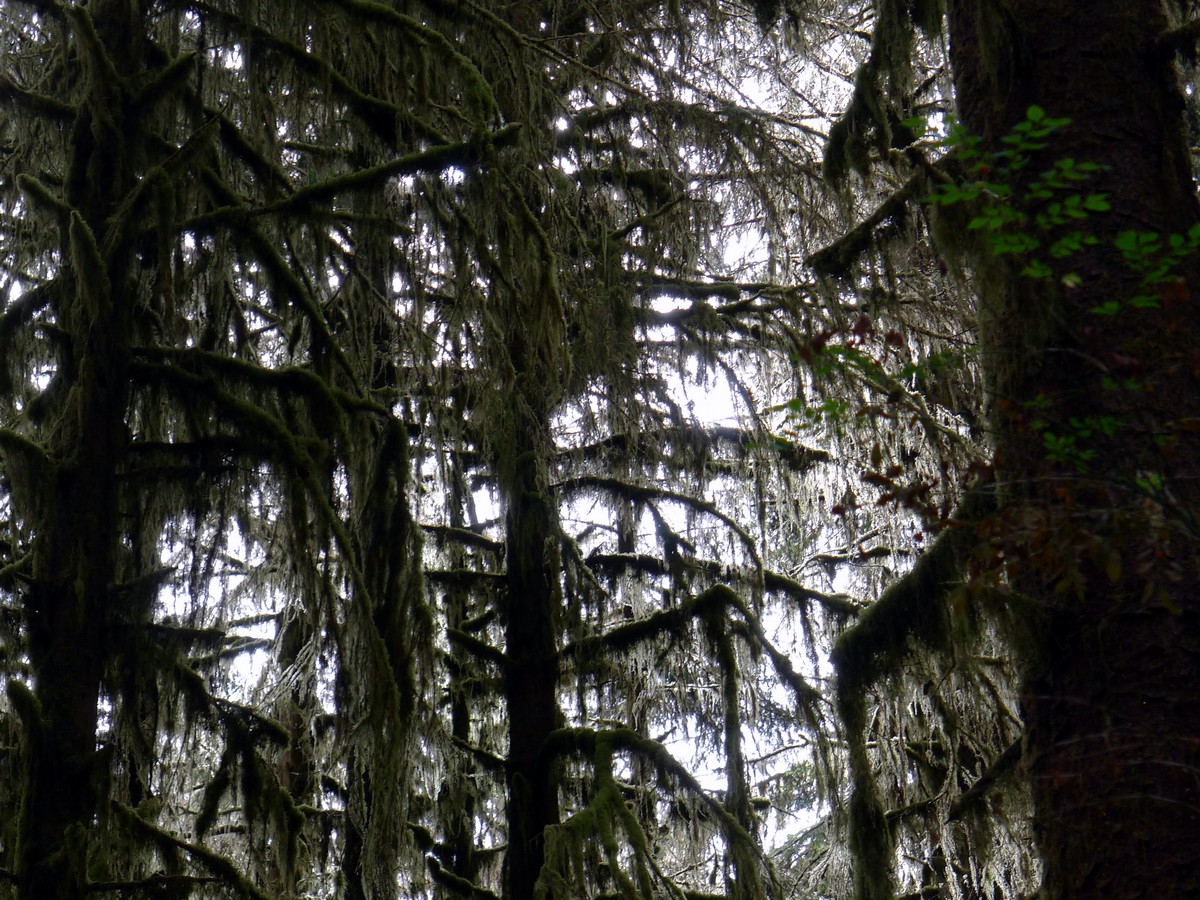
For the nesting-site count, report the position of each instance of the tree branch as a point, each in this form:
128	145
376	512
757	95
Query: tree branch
837	259
219	865
1000	767
458	885
1181	40
155	883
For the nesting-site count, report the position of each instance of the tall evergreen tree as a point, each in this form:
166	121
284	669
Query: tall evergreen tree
358	536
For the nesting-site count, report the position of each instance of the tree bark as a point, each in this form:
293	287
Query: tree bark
1106	544
531	684
70	602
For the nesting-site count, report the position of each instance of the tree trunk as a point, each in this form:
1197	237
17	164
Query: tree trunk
70	602
1100	538
531	685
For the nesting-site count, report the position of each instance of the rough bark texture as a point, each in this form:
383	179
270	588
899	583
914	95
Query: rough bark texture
1110	699
531	685
70	604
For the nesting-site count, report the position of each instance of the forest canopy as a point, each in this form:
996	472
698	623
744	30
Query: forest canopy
549	449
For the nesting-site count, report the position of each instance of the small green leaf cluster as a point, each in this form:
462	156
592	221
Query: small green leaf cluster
1071	449
1039	220
1156	260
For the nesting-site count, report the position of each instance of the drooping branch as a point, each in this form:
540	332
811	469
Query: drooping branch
154	885
691	435
837	259
910	613
1002	766
460	886
667	621
645	564
219	865
478	648
645	493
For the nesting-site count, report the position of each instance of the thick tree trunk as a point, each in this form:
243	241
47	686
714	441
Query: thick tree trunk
531	685
69	603
1104	540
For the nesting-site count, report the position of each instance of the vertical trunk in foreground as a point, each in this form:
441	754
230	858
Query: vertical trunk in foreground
1103	541
75	514
531	682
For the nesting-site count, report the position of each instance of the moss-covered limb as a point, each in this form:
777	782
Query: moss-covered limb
104	74
645	493
17	573
837	259
910	612
166	78
20	312
460	886
248	720
490	761
580	573
331	401
267	173
617	563
807	697
755	877
882	87
694	436
464	155
236	645
40	104
378	114
869	837
839	604
133	205
292	287
612	809
478	92
30	453
93	289
464	536
217	864
154	885
28	710
605	814
272	438
299	455
184	459
465	577
40	195
645	564
1002	766
52	9
583	742
480	649
667	621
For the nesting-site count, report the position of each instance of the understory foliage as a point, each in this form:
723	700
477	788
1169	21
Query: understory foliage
365	529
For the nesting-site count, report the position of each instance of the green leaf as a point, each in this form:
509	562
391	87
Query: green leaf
917	125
